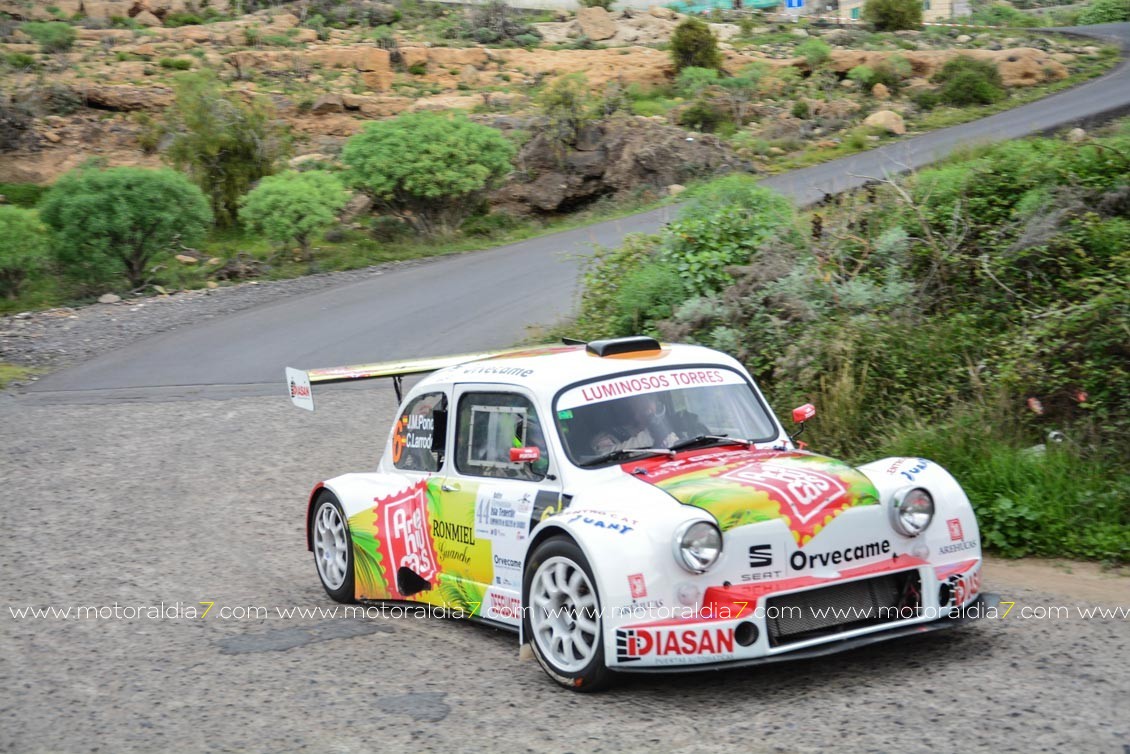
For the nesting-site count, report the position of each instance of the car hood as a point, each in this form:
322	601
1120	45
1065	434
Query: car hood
747	486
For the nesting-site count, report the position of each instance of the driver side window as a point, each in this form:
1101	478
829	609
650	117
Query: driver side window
489	426
418	438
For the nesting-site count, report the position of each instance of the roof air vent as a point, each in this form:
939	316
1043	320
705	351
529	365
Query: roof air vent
616	346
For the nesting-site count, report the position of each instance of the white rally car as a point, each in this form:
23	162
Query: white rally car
631	506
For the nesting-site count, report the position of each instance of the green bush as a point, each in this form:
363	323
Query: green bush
692	80
175	64
294	206
893	15
968	81
19	60
606	4
223	143
23	252
115	223
725	224
999	14
1105	12
703	116
51	36
23	194
427	168
815	52
693	44
174	20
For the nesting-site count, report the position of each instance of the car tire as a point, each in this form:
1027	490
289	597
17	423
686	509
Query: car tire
563	621
333	547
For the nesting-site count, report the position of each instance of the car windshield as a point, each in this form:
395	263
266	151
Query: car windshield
652	412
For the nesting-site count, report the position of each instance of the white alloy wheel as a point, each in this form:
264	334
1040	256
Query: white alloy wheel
564	614
331	545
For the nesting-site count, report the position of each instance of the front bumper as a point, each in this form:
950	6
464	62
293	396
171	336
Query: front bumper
973	611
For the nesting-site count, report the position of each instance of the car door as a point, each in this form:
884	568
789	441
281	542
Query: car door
489	503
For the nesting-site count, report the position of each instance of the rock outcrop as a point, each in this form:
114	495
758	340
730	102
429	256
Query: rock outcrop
610	157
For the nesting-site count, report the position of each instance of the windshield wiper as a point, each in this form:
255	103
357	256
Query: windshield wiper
612	455
705	439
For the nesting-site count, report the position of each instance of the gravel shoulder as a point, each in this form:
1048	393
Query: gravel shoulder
186	502
52	339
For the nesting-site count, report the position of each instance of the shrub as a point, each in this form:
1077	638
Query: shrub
801	109
814	51
725	224
24	250
294	206
999	14
22	194
20	60
606	4
113	223
693	44
418	69
968	81
568	105
703	116
1105	12
893	15
174	20
223	143
175	64
692	80
427	168
51	36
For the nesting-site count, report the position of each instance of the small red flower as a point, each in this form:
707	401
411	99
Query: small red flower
1035	406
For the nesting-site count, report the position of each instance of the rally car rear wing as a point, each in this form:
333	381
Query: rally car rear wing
300	382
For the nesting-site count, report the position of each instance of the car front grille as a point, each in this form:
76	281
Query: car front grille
842	607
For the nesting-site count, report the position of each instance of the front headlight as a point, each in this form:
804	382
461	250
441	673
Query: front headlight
698	545
912	512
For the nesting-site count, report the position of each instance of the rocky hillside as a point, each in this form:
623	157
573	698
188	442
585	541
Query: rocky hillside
327	76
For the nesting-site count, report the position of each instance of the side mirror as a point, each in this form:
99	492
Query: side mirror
524	455
801	414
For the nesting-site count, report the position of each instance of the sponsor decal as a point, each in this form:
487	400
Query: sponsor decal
760	556
963	587
599	523
299	383
501	371
801	560
504	606
672	645
806	492
413	431
637	586
299	391
954	526
406	544
503	512
957	547
920	465
650	382
740	487
454	532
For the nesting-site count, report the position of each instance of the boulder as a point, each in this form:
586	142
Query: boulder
330	102
596	23
109	298
661	12
881	92
105	11
614	156
888	120
145	18
1076	135
121	98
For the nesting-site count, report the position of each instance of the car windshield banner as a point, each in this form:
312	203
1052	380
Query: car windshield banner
647	382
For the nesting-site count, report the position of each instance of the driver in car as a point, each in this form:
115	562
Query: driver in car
652	426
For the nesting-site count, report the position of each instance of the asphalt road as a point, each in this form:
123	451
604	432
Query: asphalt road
184	502
492	298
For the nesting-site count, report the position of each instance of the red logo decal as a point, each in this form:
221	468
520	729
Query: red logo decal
637	585
404	535
635	643
805	493
954	525
504	606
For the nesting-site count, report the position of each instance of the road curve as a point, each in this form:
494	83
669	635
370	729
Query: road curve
491	298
